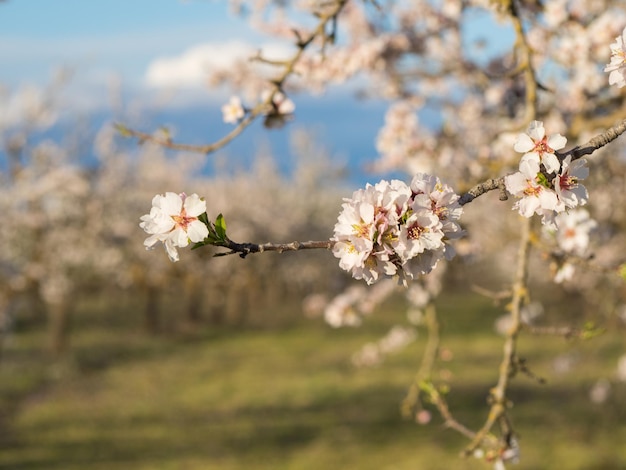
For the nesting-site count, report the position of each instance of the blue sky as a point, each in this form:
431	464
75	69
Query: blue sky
100	37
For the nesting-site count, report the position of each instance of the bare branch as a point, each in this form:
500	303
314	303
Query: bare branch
261	109
596	143
244	249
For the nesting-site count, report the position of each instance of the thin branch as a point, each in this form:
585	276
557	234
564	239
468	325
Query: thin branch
596	143
495	296
498	394
566	332
244	249
484	187
260	109
424	373
577	152
449	420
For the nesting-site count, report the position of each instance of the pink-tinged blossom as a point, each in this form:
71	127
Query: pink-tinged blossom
173	220
564	273
534	197
539	148
568	189
573	229
421	232
443	201
281	104
394	229
617	66
233	111
571	234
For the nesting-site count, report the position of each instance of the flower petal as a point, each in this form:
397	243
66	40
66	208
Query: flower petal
194	205
523	143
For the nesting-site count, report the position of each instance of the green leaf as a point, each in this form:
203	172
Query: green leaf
590	330
122	129
622	271
220	227
198	245
204	218
543	180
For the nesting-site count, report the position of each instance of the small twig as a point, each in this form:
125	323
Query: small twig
521	365
495	296
244	249
449	421
482	188
289	65
424	373
596	143
566	332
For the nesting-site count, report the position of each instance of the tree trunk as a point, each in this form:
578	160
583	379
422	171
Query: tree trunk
152	314
59	316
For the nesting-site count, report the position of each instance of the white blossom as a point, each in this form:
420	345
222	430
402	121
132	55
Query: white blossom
392	228
573	231
534	197
233	111
539	148
568	189
617	66
173	220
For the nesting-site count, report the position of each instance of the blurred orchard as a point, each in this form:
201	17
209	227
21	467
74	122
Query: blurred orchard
492	197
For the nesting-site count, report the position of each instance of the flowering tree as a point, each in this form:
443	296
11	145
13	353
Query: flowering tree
550	87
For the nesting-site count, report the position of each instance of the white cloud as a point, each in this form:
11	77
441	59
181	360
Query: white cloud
192	67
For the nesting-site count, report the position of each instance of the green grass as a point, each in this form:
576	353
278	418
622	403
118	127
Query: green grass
288	398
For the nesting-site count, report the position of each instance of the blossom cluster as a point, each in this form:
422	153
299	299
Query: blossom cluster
173	220
374	353
234	111
617	66
545	185
396	229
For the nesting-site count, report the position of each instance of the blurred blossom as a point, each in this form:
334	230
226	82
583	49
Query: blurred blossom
572	237
415	316
446	354
313	305
600	391
564	273
341	312
402	142
528	314
617	66
423	417
397	338
563	363
368	356
233	111
417	295
281	104
373	354
573	231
